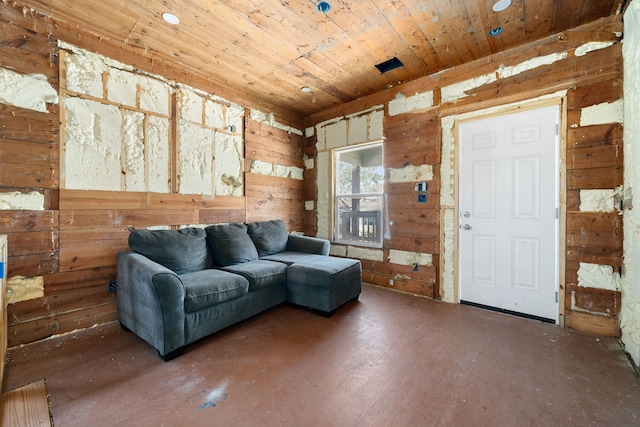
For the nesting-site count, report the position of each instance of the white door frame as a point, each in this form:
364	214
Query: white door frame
449	213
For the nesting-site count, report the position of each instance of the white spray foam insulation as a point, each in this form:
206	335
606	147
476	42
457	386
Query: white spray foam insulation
271	169
598	276
134	159
323	180
15	200
190	105
599	114
228	160
270	119
410	173
261	167
591	46
122	87
30	91
20	288
154	95
336	135
214	114
449	253
157	140
92	146
409	258
195	159
84	73
376	125
597	200
530	64
235	117
338	250
364	253
309	132
321	138
404	104
309	163
358	127
630	311
457	90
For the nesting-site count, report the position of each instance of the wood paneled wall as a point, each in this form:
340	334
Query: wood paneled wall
72	244
593	161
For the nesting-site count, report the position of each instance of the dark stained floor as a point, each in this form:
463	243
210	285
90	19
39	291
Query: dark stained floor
388	359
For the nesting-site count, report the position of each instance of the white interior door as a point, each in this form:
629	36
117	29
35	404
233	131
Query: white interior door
508	212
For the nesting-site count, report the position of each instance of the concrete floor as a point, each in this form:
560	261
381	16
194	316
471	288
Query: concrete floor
388	359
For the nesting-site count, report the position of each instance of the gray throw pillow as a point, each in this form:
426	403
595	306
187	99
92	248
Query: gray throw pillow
270	237
230	244
183	251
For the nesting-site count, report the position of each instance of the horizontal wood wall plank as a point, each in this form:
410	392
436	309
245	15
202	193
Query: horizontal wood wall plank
31	265
13	221
93	199
140	218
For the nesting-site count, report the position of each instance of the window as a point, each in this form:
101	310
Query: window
359	178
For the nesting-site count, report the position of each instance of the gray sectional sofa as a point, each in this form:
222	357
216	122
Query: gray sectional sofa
178	286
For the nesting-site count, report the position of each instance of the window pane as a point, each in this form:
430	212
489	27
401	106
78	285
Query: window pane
360	219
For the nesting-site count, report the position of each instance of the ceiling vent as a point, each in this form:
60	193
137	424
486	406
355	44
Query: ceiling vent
389	65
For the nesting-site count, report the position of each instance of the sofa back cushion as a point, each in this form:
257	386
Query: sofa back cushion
270	237
230	244
182	251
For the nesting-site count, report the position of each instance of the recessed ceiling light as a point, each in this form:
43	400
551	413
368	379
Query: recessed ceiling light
501	5
305	89
170	18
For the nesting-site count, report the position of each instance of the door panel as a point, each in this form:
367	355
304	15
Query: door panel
508	202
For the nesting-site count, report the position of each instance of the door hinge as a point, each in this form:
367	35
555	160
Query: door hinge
556	297
557	129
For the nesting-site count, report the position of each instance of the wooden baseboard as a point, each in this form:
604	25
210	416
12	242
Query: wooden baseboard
26	406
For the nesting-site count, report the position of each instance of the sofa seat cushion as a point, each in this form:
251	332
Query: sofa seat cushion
260	273
230	244
270	237
290	257
209	287
324	271
182	251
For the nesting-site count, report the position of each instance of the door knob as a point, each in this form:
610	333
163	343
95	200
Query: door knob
466	214
466	227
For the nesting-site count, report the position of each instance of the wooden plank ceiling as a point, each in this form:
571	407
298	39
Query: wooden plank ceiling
270	49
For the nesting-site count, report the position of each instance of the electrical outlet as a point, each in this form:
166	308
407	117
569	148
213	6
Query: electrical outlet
112	286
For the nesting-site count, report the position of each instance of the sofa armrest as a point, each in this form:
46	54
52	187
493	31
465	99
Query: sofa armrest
307	244
151	301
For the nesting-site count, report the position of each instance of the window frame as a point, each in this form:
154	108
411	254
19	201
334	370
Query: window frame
337	196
